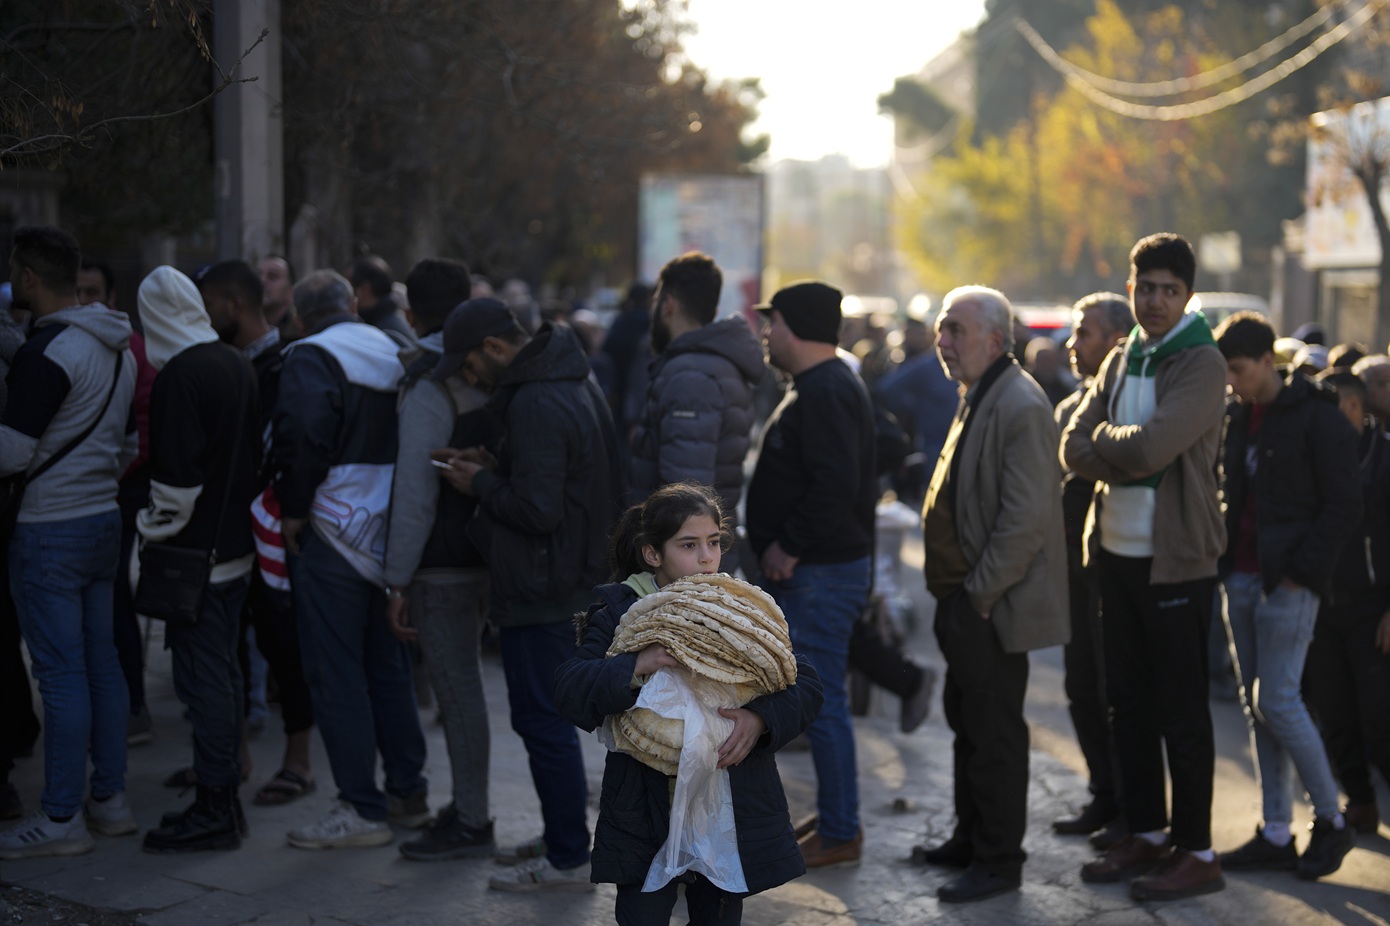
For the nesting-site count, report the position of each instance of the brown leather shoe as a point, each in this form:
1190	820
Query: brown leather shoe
821	853
1364	818
1182	875
1129	857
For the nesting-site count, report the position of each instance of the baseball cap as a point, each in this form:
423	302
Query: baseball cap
468	324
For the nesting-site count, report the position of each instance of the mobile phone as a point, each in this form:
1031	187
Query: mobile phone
442	465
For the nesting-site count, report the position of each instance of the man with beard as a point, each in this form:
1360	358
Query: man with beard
700	402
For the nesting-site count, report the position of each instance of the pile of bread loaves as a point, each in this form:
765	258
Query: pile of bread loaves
717	627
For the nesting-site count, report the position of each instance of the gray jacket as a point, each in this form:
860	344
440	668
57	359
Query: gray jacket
699	411
58	383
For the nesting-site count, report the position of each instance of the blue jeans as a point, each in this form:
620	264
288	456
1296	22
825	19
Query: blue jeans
1269	638
62	575
531	654
822	602
359	679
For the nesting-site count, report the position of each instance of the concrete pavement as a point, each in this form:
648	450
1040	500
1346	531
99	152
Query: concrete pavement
906	796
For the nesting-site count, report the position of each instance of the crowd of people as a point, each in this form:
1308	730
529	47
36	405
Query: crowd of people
358	482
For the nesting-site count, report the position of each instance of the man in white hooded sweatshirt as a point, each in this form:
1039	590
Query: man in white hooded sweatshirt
204	454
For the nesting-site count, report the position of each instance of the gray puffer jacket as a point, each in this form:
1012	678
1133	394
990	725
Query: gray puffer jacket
699	411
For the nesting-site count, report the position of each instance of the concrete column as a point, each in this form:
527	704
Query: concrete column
250	168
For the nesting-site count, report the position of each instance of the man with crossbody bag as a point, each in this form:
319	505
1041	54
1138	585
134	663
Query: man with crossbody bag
70	388
204	452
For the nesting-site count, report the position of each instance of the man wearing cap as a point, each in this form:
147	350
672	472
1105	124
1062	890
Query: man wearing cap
996	562
811	524
545	505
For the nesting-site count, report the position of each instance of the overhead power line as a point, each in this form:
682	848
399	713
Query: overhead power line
1181	84
1173	113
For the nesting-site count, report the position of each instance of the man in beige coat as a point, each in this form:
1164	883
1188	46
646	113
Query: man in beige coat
996	563
1148	431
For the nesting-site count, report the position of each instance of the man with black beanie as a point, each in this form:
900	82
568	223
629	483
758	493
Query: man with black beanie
811	524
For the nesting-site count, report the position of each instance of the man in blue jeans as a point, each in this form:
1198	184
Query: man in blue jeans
811	524
1293	497
70	388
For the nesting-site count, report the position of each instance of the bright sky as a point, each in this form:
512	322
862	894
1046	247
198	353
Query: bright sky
823	63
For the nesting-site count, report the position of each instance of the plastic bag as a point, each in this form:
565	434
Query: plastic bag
702	836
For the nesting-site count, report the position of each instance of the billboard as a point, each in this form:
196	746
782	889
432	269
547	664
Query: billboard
719	214
1339	229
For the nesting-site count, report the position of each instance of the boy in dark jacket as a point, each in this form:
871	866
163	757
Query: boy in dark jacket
1292	500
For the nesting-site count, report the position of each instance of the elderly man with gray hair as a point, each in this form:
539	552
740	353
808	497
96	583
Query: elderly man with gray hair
334	444
996	564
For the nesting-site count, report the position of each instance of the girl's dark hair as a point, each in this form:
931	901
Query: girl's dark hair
657	520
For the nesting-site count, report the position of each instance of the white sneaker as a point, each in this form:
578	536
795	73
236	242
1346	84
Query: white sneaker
111	817
343	828
538	874
41	835
522	852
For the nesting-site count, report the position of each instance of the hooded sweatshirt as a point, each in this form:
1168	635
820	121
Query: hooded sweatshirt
171	309
1127	515
204	432
58	383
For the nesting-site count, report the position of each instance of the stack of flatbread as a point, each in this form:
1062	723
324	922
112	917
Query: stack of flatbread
716	626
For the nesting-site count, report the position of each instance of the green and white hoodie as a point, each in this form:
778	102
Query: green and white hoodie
1127	515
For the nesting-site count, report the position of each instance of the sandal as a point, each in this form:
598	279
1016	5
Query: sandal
285	788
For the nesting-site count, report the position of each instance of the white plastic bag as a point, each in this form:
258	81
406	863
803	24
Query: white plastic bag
702	836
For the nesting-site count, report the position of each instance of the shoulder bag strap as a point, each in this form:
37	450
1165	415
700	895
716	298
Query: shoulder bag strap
72	444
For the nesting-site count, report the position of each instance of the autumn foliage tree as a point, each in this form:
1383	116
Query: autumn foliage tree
1048	206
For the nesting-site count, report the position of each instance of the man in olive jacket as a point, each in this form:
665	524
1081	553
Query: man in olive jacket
996	563
1148	431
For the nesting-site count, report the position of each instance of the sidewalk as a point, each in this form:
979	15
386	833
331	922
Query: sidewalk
905	784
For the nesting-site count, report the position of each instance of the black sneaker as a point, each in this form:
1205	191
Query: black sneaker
1259	854
1326	849
448	838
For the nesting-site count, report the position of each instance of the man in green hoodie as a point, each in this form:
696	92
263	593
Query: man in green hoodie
1148	432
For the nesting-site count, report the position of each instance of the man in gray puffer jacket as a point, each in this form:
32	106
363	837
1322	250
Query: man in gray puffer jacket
700	402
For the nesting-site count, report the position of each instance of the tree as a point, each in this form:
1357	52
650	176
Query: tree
1050	206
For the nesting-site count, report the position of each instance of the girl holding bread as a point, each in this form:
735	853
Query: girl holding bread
680	531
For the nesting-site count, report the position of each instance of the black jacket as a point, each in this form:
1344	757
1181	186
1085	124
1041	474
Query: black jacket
1363	569
635	804
1308	499
544	514
815	486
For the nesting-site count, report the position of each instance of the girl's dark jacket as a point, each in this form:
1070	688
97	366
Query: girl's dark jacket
635	807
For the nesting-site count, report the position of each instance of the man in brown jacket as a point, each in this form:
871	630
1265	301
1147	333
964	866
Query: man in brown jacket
996	563
1148	431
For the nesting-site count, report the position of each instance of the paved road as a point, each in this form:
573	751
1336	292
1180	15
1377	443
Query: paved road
906	794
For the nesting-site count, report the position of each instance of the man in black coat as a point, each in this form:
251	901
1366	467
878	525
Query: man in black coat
545	505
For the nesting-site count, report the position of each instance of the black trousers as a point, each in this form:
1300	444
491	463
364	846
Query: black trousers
1346	681
881	662
707	904
133	497
207	679
271	612
1155	640
1084	662
983	701
19	726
